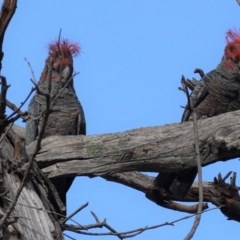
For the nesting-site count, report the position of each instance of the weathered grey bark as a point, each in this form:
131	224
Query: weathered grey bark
32	219
33	216
165	148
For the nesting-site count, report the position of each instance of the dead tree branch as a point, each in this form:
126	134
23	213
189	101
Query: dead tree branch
7	11
122	235
167	148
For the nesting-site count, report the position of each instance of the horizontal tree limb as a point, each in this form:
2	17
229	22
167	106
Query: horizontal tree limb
168	148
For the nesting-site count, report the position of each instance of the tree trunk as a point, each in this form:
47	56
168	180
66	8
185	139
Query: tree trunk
33	215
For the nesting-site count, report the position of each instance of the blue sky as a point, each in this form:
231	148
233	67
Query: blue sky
133	55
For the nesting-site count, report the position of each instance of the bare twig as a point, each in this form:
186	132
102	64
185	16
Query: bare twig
105	224
227	176
125	234
66	235
59	38
31	69
75	212
17	110
200	187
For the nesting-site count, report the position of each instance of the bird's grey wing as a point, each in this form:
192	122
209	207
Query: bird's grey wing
81	121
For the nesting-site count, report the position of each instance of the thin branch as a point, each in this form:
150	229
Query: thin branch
17	110
126	234
31	70
66	235
59	38
106	225
75	212
200	186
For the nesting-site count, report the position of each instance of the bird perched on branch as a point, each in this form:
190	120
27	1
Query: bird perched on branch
56	98
217	92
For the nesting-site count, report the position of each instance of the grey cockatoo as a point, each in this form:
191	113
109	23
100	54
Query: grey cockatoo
216	93
66	114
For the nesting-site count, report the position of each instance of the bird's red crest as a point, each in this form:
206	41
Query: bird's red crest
64	47
232	49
